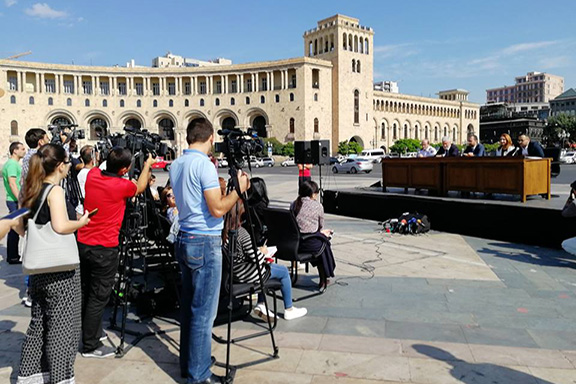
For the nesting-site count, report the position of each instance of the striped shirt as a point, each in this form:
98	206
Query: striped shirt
245	268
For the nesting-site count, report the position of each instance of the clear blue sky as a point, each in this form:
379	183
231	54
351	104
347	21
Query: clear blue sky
425	45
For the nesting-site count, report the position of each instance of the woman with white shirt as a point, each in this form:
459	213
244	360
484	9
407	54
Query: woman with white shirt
506	147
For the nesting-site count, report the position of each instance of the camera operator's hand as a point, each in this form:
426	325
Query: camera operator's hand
150	160
243	181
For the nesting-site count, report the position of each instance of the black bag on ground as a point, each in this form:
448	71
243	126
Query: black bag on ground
408	223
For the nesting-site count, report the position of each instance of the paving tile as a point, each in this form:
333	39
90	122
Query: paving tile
499	336
293	340
350	380
491	374
259	357
358	344
422	331
570	356
245	376
554	376
554	339
355	327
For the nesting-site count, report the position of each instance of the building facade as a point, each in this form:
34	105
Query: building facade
564	104
535	87
327	94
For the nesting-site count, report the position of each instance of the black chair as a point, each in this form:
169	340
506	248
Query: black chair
554	153
284	233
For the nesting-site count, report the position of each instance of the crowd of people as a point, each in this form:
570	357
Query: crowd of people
68	306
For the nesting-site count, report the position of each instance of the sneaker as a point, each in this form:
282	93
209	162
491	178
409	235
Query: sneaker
260	311
27	301
294	313
100	352
104	336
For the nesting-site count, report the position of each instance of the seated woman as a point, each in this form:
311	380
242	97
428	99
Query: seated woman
169	204
246	270
309	215
506	147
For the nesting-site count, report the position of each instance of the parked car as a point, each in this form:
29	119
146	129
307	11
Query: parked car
160	163
222	163
568	158
256	162
334	160
289	162
355	165
268	161
375	155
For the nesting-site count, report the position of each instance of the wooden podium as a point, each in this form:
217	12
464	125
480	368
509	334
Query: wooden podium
516	176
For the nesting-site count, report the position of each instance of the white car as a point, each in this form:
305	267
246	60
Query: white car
354	165
568	158
289	162
256	162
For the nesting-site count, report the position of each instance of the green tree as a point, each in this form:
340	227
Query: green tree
354	147
403	146
343	148
288	149
556	125
277	146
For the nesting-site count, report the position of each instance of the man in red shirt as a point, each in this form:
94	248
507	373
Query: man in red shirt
98	241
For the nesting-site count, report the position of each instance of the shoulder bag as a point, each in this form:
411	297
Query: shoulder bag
47	251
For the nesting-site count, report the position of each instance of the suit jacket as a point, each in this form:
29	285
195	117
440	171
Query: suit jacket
452	151
479	151
535	149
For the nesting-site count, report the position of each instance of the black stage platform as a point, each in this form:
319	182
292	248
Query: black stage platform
536	222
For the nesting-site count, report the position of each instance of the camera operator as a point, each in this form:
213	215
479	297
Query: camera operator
569	210
98	241
201	207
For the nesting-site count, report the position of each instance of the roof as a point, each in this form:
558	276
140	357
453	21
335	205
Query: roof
569	94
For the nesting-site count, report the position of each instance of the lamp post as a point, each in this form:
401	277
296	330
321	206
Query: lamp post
563	135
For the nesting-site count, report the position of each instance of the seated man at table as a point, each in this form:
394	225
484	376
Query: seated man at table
474	148
427	150
527	147
447	149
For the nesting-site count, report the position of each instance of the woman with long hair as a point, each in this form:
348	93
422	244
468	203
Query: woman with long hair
309	215
246	263
51	343
506	147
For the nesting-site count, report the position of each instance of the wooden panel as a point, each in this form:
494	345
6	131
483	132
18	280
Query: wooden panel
397	175
426	176
461	177
499	179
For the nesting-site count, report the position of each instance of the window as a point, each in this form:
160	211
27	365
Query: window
315	97
14	128
86	103
104	103
50	101
170	103
277	98
219	86
122	89
69	102
291	97
155	103
293	82
249	85
291	125
31	100
50	85
394	132
187	88
156	89
171	89
13	80
69	87
12	99
353	65
104	88
234	86
186	103
264	86
356	107
247	100
316	128
262	99
98	128
201	102
358	66
138	103
383	132
202	87
139	89
121	103
217	102
232	101
87	87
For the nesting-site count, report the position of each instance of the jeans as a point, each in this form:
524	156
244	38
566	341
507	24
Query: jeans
13	238
200	259
280	272
98	266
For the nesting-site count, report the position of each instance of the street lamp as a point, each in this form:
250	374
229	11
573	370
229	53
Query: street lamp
563	135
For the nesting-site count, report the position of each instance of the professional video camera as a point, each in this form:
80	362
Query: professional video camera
70	131
237	145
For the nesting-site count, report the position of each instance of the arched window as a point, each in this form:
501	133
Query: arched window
12	99
166	128
315	47
361	45
353	65
358	66
87	103
277	98
104	103
61	120
98	128
291	97
350	45
291	125
138	103
217	101
426	133
416	133
134	123
186	103
383	131
436	134
155	103
121	103
247	100
69	102
355	43
232	101
262	99
310	49
50	101
316	128
201	102
356	107
31	100
394	131
405	131
445	131
14	128
170	103
344	41
366	46
454	134
315	97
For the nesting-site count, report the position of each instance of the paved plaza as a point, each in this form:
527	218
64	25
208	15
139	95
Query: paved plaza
437	308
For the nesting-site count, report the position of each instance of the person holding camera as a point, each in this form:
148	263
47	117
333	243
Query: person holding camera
106	191
201	206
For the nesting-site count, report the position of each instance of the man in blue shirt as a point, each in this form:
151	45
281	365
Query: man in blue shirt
201	207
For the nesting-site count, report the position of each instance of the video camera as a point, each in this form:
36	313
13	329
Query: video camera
70	131
238	144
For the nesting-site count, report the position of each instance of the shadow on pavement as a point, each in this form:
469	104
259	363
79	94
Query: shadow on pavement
9	340
473	373
526	254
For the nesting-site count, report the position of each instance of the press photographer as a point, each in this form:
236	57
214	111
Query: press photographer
106	191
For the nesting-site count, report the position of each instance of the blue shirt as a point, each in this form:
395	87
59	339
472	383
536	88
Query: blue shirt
190	175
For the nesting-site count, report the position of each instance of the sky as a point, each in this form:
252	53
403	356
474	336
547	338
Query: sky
424	45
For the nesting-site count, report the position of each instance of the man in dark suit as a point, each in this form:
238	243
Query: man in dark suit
474	148
528	147
447	149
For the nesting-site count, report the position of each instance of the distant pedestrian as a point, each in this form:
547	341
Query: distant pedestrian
304	173
11	173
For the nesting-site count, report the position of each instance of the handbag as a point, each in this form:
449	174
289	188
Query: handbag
47	251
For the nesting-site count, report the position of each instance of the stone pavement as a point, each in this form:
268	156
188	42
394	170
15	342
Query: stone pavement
436	308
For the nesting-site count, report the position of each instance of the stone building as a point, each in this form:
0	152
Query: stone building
534	87
327	94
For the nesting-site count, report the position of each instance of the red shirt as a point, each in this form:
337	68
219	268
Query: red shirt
108	194
304	172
